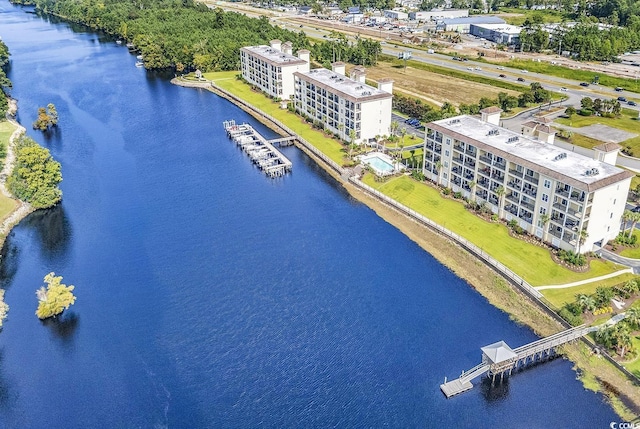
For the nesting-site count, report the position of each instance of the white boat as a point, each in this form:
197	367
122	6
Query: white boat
139	57
139	64
119	42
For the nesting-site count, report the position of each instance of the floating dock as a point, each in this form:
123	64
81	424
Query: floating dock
261	151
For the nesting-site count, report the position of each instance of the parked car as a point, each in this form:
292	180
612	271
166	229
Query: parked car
503	75
500	68
563	89
478	69
619	88
584	84
623	99
520	79
524	71
632	103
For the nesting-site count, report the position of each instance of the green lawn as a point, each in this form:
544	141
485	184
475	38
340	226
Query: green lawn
531	262
329	146
560	297
7	205
627	122
632	252
548	16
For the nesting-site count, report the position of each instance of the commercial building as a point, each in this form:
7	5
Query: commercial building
462	25
504	34
568	200
436	15
271	68
396	15
342	104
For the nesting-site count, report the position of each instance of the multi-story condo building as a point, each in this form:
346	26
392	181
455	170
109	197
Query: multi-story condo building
271	68
571	201
344	105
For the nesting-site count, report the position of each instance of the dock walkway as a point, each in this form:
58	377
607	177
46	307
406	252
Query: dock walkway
499	358
261	151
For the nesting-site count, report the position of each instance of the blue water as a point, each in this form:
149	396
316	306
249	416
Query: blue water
210	296
379	164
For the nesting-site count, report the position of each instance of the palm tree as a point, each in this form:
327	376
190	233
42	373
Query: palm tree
500	192
587	302
545	218
626	217
394	127
633	317
635	218
582	237
472	187
352	142
622	338
439	168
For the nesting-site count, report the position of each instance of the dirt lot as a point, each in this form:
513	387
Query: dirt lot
434	88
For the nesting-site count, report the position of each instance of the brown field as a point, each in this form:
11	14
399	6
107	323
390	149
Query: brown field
432	87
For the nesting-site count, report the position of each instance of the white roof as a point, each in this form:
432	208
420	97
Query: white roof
273	55
501	28
498	352
346	86
581	171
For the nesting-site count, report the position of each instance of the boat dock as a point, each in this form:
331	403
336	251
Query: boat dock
261	151
500	359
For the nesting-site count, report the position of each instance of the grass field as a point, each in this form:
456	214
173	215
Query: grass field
560	297
329	146
531	262
632	252
627	121
517	16
7	205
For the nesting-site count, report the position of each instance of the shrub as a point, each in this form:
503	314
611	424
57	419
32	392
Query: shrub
574	308
494	217
446	191
457	195
418	175
572	258
625	240
570	317
585	112
512	223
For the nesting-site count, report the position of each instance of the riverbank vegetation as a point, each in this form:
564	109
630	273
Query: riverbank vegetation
55	298
47	118
36	175
5	83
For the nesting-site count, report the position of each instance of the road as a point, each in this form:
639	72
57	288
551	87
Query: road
319	29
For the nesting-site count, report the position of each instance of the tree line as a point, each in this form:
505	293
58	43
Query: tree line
5	83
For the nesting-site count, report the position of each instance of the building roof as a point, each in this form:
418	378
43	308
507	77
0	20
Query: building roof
553	161
474	20
491	109
342	85
608	147
535	125
273	56
498	352
501	28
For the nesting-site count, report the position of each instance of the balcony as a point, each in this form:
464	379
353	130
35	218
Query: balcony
470	164
501	165
562	192
531	179
485	159
459	148
471	152
577	197
531	192
575	213
527	205
516	173
561	207
555	233
513	199
512	208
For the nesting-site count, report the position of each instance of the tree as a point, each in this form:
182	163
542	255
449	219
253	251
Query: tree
586	302
582	238
500	192
439	168
394	127
36	175
55	298
352	142
635	217
545	218
472	187
570	111
47	118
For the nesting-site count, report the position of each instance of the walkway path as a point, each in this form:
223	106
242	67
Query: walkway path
591	280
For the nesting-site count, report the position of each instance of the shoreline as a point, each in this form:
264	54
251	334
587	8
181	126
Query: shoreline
624	398
22	208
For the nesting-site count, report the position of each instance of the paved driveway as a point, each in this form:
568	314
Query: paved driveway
600	132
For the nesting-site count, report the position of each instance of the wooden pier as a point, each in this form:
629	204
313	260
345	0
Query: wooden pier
261	151
499	359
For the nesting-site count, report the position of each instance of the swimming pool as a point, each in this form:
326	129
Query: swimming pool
381	163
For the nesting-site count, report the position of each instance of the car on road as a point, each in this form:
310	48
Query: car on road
585	84
414	123
632	103
520	79
524	71
470	68
563	89
619	88
636	209
502	75
478	69
623	99
500	68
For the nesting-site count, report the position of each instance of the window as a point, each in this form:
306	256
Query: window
614	201
448	141
543	210
446	153
610	215
547	183
444	175
545	198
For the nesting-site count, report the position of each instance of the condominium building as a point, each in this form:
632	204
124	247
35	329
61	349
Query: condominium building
344	105
271	68
552	193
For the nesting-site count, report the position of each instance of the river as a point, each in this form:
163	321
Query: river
210	296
